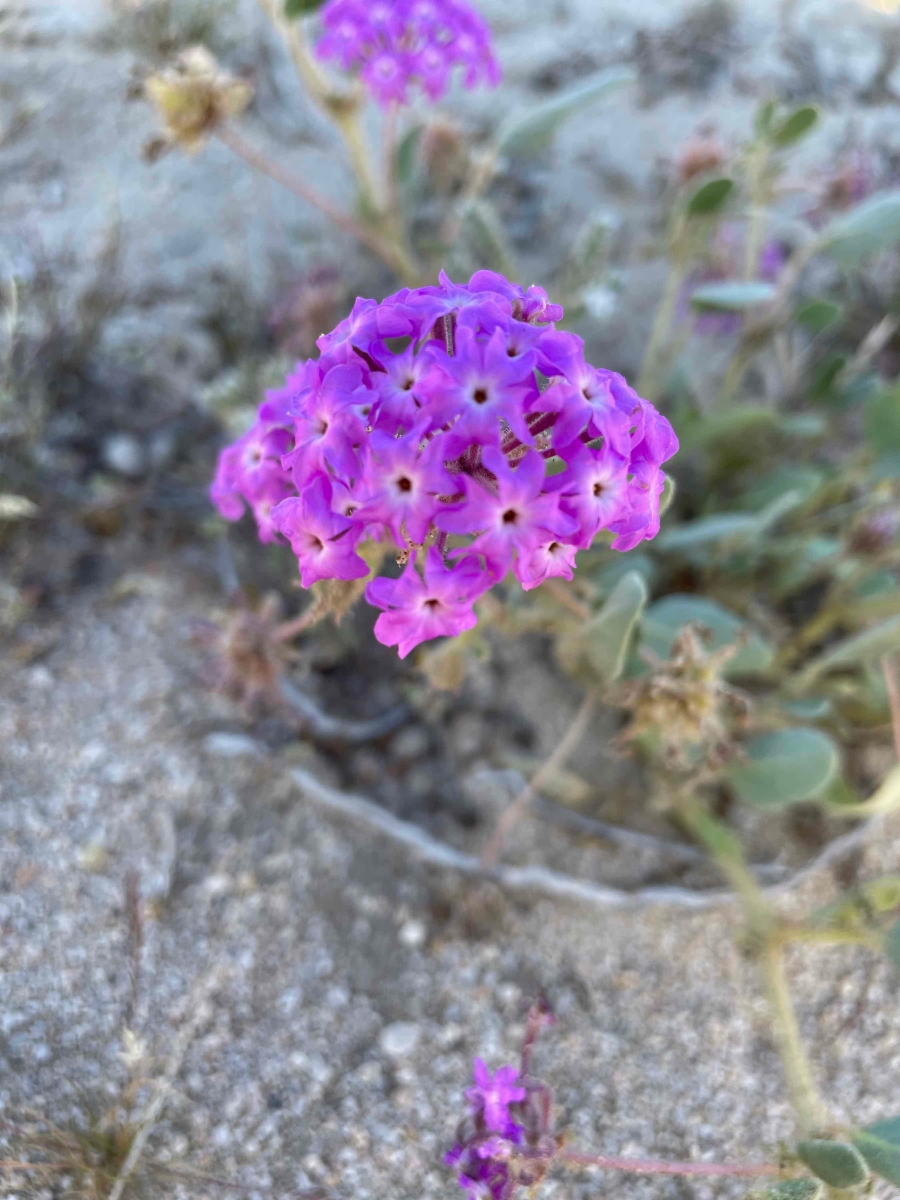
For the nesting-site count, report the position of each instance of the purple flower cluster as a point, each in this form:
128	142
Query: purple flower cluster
399	45
506	1140
455	422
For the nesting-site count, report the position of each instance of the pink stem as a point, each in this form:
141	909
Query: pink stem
650	1166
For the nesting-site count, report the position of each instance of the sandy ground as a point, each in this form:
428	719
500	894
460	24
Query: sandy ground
347	992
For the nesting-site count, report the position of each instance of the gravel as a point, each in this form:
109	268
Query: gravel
349	987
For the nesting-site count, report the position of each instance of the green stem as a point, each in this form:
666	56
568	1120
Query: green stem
766	939
756	225
652	375
811	1112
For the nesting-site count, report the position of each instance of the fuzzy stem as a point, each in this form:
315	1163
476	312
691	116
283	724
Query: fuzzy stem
764	931
651	1166
892	683
652	374
393	255
811	1112
517	808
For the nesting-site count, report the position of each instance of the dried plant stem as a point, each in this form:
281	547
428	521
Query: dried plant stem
518	807
394	255
198	1014
764	932
650	1166
892	683
560	592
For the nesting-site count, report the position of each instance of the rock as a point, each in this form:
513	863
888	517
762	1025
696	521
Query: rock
233	745
413	934
410	743
124	454
400	1039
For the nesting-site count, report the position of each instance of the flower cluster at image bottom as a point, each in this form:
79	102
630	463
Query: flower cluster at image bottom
455	423
505	1140
400	46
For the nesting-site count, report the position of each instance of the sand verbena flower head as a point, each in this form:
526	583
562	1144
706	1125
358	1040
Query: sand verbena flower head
456	425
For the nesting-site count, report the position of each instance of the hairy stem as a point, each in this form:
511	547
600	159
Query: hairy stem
811	1112
651	1166
656	356
387	251
490	855
764	930
892	682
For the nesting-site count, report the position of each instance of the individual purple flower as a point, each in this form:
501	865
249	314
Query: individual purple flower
417	609
402	46
405	476
509	511
492	1095
323	542
428	421
594	488
479	385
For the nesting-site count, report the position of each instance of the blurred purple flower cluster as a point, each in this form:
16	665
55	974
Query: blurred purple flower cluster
506	1139
400	45
457	423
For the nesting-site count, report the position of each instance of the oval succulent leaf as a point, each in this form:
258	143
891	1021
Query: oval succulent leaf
818	315
608	634
835	1163
785	768
530	132
871	226
879	1144
709	198
864	647
789	1189
795	126
732	295
892	947
663	620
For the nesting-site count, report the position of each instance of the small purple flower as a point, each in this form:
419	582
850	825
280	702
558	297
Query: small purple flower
442	442
323	542
512	515
492	1095
418	609
400	46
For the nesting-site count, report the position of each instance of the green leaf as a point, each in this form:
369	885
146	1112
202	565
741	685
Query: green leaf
608	635
892	944
881	420
526	134
864	647
765	115
826	373
668	495
406	155
663	620
813	709
484	234
882	895
836	1163
610	574
818	315
789	1189
709	198
871	226
706	531
796	126
732	295
879	1144
296	8
785	768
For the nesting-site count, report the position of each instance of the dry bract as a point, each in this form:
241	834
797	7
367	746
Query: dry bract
193	98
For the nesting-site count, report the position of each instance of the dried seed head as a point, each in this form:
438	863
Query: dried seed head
699	155
192	98
684	704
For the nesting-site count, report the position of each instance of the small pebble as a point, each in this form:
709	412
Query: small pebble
400	1039
123	453
233	745
410	743
413	934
